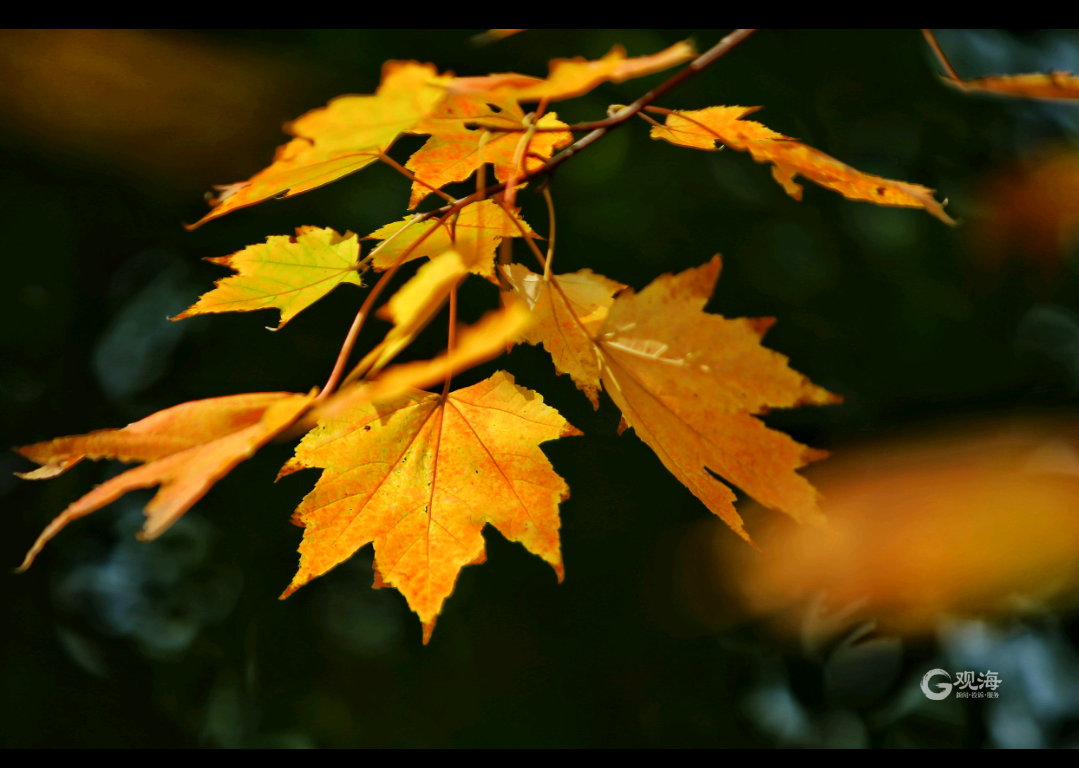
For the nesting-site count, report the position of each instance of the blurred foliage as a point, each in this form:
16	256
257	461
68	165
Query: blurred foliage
970	519
110	140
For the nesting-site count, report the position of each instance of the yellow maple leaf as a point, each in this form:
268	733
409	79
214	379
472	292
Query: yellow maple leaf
455	151
289	273
414	305
187	448
479	229
475	344
701	129
691	384
409	93
294	170
568	312
342	137
570	78
420	476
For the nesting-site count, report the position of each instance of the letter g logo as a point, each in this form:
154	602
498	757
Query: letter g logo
945	688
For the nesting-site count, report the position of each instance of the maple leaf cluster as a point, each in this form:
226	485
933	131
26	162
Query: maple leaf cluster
419	474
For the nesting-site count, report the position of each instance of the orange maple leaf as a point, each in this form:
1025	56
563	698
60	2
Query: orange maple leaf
570	78
691	385
348	134
187	448
420	476
460	109
688	382
703	128
457	146
568	313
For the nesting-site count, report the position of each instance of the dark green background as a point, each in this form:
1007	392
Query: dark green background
182	642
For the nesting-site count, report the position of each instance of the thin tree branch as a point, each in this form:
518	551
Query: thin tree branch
602	127
695	66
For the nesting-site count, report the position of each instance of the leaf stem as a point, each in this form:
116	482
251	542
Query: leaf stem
521	152
550	233
374	251
365	310
524	233
528	236
647	119
357	323
481	170
452	339
505	249
932	40
412	177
